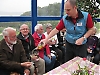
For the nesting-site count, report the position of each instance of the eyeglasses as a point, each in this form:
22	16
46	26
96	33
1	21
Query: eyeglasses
13	37
25	29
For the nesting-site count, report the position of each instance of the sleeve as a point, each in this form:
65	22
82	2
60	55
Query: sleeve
89	23
47	49
55	37
36	40
60	25
9	63
33	43
23	57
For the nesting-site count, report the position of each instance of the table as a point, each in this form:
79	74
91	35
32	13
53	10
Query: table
72	65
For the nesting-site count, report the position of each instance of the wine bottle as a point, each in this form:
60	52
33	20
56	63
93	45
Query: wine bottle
35	51
40	46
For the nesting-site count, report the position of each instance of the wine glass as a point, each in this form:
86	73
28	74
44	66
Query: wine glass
34	53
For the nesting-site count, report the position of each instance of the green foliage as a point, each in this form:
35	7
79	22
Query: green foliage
90	6
83	71
54	10
1	37
28	13
54	23
97	25
50	10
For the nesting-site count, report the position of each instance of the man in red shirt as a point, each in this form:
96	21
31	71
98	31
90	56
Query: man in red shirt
79	27
44	52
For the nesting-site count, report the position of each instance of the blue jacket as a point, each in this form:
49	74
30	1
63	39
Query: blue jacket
77	30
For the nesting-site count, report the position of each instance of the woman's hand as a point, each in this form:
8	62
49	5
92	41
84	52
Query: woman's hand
49	56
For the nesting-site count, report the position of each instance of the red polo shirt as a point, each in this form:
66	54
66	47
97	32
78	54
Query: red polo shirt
89	23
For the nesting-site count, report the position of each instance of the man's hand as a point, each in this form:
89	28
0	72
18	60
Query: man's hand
79	41
26	72
34	58
49	56
26	64
89	50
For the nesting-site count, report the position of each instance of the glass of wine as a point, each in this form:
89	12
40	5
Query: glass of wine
35	53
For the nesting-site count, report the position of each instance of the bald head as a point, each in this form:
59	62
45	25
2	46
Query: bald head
24	29
71	8
72	2
24	26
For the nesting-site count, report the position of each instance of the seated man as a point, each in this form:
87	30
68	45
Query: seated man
28	44
61	43
12	54
45	51
96	59
91	45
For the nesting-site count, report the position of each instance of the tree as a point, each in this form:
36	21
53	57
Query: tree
98	1
91	6
50	10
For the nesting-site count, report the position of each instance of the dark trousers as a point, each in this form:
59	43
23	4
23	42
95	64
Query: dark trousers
63	49
7	72
96	59
4	72
58	52
73	50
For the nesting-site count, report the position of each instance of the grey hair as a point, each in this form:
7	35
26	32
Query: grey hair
73	2
48	25
37	27
5	31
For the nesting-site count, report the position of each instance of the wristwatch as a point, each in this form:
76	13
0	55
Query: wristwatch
84	37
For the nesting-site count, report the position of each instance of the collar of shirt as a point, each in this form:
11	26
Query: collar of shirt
10	46
40	35
25	37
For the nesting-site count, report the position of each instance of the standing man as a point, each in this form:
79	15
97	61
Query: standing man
12	54
29	45
79	27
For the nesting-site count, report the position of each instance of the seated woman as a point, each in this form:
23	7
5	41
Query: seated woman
53	44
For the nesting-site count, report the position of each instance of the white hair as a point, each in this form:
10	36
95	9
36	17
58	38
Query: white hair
37	27
5	32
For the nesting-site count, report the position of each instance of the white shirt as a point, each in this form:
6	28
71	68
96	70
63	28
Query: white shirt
10	46
52	38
